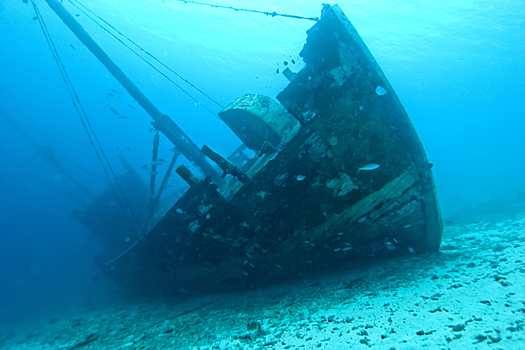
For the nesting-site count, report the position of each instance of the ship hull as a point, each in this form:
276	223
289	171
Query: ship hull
349	181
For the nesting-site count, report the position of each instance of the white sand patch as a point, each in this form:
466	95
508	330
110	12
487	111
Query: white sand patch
468	296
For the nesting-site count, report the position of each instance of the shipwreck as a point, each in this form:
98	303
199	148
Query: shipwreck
339	175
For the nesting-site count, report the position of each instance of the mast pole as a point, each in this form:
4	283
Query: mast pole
162	122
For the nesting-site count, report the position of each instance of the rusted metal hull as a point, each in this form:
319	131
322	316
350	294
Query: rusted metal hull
306	203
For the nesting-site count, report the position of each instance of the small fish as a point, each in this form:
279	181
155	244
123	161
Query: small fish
113	110
390	246
381	91
129	149
273	155
370	166
112	97
411	250
130	106
162	160
347	249
72	47
145	166
179	211
337	249
362	218
152	173
35	18
278	266
300	177
77	15
115	91
121	116
157	162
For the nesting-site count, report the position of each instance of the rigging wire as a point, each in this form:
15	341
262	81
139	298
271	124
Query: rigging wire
93	139
272	14
75	2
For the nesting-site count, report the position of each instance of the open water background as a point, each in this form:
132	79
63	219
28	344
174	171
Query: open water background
457	66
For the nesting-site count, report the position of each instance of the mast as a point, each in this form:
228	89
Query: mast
162	122
49	155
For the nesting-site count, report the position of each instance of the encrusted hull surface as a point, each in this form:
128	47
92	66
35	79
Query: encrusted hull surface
307	204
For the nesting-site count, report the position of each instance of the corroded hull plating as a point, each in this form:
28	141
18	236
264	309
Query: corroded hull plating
306	204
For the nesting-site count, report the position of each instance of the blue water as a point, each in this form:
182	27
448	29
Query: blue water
457	66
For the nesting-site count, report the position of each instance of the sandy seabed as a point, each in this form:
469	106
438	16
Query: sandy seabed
470	295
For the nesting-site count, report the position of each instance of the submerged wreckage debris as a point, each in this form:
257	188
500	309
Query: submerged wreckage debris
339	175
